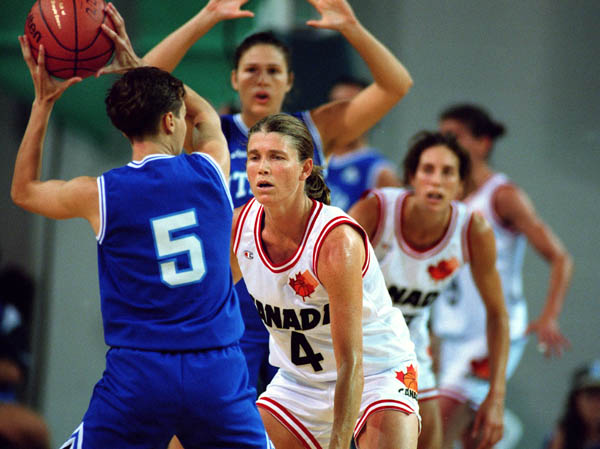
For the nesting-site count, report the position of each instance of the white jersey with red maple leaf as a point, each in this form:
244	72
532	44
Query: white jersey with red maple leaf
294	305
415	277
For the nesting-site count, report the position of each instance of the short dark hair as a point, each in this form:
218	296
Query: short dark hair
427	139
136	101
477	119
262	38
296	133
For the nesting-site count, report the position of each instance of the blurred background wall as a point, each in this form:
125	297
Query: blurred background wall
533	64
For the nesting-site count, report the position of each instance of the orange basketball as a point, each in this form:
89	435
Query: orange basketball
74	43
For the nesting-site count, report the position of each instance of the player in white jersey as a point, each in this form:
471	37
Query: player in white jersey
422	237
458	315
346	362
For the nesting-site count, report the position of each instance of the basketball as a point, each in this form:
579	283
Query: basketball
74	43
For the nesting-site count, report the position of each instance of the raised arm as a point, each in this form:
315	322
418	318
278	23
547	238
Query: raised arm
205	134
204	126
343	121
53	198
514	207
171	50
482	246
339	268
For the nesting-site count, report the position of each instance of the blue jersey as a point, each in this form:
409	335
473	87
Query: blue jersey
236	133
163	259
349	175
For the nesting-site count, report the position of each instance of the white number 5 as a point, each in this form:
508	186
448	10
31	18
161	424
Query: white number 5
167	247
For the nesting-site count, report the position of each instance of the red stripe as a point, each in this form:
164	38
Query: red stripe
333	223
378	406
437	246
288	417
240	224
280	268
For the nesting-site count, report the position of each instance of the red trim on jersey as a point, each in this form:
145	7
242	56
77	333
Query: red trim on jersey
384	404
284	417
436	247
328	228
317	207
465	238
240	223
380	214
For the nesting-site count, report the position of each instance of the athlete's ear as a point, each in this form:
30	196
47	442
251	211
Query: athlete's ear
234	80
307	167
167	122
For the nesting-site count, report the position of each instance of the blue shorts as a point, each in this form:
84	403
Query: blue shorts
145	397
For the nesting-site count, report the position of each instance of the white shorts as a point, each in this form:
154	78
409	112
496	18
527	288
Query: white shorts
464	368
427	382
306	409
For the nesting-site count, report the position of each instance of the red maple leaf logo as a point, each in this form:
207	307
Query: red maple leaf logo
304	284
443	269
481	368
408	378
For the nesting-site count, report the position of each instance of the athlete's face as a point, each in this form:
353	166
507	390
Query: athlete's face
437	179
477	147
262	80
275	174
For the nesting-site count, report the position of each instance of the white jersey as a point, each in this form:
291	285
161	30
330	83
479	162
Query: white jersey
461	312
294	305
413	277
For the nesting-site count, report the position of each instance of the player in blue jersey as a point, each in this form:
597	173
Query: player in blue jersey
262	76
162	222
356	166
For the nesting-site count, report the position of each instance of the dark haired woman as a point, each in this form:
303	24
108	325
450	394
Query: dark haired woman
579	427
318	288
422	237
262	76
459	316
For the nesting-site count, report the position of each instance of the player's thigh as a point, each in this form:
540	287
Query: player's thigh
431	425
390	429
279	435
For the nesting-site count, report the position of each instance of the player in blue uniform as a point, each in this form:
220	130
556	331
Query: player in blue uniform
162	223
356	167
262	76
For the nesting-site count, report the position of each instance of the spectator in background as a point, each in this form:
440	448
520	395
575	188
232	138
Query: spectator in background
355	166
20	427
579	427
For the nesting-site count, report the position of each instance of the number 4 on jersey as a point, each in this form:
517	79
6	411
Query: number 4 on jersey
300	344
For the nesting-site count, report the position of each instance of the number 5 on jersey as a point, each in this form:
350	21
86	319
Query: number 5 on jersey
168	247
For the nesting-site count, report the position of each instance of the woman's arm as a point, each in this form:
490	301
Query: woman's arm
514	207
53	198
339	268
171	50
482	247
366	212
343	121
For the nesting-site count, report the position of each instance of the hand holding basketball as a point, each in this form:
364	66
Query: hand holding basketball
47	89
71	35
125	57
